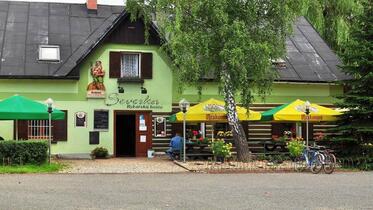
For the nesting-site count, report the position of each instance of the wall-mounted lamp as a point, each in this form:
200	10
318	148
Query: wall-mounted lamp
120	89
144	90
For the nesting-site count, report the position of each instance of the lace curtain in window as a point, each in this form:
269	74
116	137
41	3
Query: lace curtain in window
130	65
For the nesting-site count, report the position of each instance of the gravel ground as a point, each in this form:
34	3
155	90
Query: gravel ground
122	165
187	191
233	166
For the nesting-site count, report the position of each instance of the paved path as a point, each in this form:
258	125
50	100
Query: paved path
187	191
123	165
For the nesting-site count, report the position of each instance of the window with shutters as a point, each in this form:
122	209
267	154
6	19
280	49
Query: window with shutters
39	129
130	65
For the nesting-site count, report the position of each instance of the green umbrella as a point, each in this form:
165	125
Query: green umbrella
172	118
21	108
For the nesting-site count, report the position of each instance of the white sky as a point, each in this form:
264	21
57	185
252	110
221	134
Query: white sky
106	2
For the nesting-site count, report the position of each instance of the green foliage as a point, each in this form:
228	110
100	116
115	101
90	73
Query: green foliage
356	124
23	152
333	19
295	148
232	40
208	37
220	148
21	169
100	152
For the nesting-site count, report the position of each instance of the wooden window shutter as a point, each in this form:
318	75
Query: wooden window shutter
146	65
59	130
115	58
22	130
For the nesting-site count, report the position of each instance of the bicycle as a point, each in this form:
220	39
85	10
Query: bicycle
329	160
311	158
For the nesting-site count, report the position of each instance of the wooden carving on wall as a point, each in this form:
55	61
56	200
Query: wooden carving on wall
96	89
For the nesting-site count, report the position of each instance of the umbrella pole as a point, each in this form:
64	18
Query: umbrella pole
212	134
17	130
307	132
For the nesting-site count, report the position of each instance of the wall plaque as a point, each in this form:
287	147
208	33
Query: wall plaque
80	119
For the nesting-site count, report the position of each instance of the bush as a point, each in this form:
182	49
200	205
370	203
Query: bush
221	149
24	152
100	152
295	148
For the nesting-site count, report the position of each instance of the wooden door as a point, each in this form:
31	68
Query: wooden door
143	133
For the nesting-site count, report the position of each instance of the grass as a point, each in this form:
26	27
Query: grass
44	168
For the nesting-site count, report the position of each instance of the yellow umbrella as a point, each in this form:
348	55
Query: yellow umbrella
213	110
295	111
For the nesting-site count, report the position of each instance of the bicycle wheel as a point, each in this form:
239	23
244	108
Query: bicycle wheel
329	163
300	164
317	163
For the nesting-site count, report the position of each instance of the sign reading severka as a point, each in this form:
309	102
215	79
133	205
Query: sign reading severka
133	103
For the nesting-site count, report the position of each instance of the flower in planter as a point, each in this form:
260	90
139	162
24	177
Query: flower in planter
221	149
319	136
220	133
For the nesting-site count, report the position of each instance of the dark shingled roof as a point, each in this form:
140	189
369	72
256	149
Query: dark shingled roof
308	57
26	25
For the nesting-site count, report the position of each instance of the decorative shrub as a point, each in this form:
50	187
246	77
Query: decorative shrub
295	147
100	152
221	149
23	152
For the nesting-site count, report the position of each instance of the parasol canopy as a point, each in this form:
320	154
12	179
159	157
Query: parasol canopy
213	110
295	111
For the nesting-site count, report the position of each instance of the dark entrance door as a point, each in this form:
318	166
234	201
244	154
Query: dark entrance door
125	133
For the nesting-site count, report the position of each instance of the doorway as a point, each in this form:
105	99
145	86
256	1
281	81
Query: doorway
125	132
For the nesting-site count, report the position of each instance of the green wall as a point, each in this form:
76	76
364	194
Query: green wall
281	93
71	96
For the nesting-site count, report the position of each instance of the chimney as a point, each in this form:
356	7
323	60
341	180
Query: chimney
92	6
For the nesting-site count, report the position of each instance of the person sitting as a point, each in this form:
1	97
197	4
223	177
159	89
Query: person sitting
175	146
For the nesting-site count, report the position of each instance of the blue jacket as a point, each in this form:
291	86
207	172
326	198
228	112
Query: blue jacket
176	143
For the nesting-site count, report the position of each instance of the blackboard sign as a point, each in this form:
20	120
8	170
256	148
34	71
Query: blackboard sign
94	137
101	120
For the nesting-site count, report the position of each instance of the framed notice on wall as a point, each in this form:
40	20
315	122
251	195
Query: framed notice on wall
94	137
101	120
80	119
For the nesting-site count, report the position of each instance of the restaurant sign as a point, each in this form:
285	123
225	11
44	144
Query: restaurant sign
133	103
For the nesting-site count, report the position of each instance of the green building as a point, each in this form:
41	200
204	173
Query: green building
116	91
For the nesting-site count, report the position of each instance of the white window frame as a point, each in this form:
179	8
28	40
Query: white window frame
121	64
41	47
164	126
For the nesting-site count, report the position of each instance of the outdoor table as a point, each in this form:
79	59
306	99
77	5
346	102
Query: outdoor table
197	151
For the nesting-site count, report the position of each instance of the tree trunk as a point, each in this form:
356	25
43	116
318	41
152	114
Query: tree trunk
242	148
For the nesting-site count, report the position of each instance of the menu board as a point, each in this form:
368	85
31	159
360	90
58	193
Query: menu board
94	137
101	120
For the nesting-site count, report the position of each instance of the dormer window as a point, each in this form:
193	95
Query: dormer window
49	53
279	63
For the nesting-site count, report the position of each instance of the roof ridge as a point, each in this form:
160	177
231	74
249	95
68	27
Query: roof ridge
51	2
